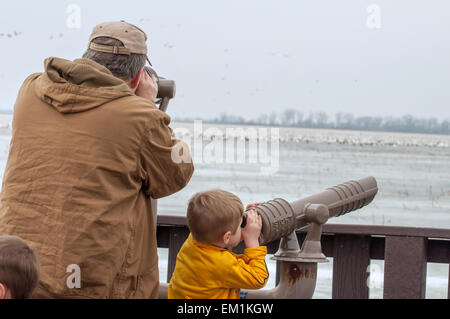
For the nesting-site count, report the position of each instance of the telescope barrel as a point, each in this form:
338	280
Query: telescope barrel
343	198
279	218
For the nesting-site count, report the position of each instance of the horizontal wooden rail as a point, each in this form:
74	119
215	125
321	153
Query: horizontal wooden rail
405	250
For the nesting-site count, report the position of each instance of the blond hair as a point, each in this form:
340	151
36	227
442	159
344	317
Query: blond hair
212	213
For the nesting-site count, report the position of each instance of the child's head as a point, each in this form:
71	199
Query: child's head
19	268
214	213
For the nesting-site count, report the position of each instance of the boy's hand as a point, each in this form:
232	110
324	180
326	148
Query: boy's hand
252	205
252	230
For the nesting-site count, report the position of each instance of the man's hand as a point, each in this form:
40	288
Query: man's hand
252	230
148	87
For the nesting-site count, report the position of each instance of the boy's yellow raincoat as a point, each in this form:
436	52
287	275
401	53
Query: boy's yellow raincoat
205	271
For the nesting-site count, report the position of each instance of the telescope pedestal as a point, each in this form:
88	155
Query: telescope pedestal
311	251
297	281
298	267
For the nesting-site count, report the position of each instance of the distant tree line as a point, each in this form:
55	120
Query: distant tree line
291	117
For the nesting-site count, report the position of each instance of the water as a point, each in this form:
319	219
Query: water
412	172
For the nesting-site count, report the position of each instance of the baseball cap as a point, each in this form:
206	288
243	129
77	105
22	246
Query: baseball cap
131	36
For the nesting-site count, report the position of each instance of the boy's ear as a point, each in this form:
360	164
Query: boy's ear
226	237
2	291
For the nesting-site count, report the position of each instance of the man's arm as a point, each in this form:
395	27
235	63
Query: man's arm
164	171
166	162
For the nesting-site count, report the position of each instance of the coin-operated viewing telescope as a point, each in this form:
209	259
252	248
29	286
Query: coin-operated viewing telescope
281	219
166	89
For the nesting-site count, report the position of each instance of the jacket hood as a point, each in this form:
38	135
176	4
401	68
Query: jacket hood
79	85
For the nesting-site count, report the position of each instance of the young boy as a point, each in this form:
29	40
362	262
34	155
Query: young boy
205	267
19	268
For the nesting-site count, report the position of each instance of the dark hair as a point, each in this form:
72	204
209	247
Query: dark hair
125	67
19	267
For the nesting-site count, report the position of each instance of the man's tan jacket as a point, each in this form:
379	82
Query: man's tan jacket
86	155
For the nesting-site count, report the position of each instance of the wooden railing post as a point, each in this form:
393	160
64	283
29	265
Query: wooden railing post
405	267
350	264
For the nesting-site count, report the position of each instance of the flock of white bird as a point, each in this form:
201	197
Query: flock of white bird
210	132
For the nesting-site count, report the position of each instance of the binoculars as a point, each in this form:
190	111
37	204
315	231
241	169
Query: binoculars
166	92
280	218
166	89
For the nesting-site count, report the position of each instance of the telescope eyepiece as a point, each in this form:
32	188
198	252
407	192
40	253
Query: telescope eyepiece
244	220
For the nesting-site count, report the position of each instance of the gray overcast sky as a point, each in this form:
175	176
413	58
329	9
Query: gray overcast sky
253	57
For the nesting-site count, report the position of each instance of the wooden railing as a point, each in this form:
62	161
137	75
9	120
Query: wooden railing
405	251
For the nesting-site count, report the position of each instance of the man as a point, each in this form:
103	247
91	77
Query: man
88	151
